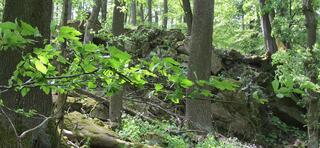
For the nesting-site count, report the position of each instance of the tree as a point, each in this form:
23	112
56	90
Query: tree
66	12
141	13
198	110
117	29
270	42
150	11
104	9
165	14
118	18
156	17
313	100
60	103
37	13
92	21
133	12
188	14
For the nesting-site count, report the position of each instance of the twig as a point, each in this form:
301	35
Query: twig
35	128
13	127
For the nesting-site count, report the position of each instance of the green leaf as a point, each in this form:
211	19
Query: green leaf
43	59
24	91
116	53
27	29
224	84
45	89
186	83
40	67
1	103
298	91
88	67
90	47
91	85
8	26
68	33
275	84
171	61
206	93
158	87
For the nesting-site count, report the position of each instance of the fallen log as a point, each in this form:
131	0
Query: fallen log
78	127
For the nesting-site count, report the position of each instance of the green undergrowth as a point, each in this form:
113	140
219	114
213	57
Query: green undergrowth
166	134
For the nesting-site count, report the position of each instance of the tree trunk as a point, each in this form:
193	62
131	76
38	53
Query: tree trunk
117	29
150	11
165	14
118	19
125	18
313	120
66	12
37	13
142	13
104	9
156	17
311	23
188	14
198	110
133	12
116	107
60	103
313	104
92	21
270	42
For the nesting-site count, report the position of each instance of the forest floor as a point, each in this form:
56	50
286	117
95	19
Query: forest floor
250	114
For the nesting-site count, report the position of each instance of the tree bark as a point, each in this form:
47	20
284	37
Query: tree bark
104	9
116	106
150	11
59	107
311	23
37	13
188	14
141	14
313	100
92	21
133	12
198	111
270	42
118	19
156	17
117	29
165	14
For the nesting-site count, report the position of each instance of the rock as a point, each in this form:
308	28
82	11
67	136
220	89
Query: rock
289	112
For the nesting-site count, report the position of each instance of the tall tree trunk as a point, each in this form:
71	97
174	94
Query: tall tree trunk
141	13
313	104
150	11
62	98
92	21
104	10
270	42
117	29
311	23
156	17
118	19
188	14
198	110
116	106
126	17
133	12
165	14
37	13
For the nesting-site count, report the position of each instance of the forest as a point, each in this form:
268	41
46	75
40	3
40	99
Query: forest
159	73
